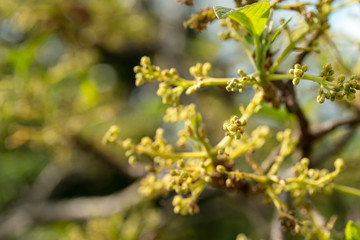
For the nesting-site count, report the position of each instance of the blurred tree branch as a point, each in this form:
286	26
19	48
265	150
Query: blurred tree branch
30	213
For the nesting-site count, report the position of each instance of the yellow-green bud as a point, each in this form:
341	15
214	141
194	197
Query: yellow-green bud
228	182
304	68
145	61
206	68
339	164
132	160
221	169
137	69
320	99
192	70
296	81
180	163
208	179
298	72
305	162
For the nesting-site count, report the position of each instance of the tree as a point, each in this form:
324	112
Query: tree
275	146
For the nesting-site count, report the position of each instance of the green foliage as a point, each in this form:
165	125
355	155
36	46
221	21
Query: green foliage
352	232
253	17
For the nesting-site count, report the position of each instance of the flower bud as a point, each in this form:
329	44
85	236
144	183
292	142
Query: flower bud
296	81
339	164
208	179
320	99
145	61
298	73
132	160
221	169
304	68
206	68
305	162
297	66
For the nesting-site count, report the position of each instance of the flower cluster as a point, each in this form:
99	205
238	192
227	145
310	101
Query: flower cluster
157	147
199	21
147	72
298	72
336	90
185	206
199	72
188	115
237	84
235	126
311	180
111	136
168	93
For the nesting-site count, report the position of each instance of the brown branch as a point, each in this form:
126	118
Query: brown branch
288	97
253	164
300	58
27	214
327	127
46	181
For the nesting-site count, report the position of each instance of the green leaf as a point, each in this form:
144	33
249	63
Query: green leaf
279	29
249	39
351	231
277	33
253	17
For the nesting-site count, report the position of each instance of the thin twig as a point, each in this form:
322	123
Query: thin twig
300	58
328	127
253	164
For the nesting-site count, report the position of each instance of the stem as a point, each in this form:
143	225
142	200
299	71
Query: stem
250	176
216	81
277	203
179	155
347	190
206	145
319	80
286	52
224	142
240	150
259	60
210	81
246	46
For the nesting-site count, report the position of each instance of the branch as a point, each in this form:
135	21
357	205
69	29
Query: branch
288	96
300	58
28	214
329	126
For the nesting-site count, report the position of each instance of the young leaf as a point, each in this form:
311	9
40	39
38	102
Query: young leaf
351	231
277	33
252	17
279	29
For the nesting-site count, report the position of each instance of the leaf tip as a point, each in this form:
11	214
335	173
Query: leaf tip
221	12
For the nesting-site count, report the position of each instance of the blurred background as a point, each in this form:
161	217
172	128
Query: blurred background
66	76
